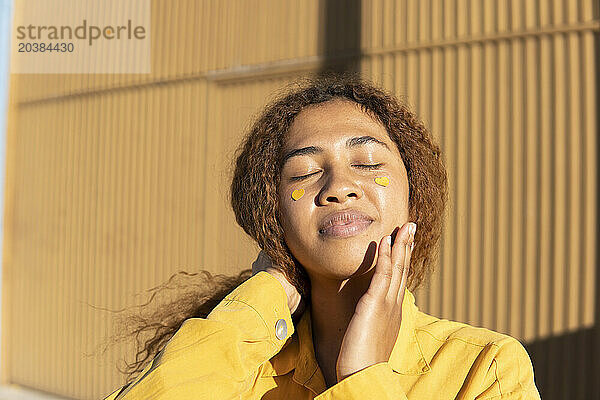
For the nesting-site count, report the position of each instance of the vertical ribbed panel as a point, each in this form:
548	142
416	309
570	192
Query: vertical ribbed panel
107	201
195	37
116	182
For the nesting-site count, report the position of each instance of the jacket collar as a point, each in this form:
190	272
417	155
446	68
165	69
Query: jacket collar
298	353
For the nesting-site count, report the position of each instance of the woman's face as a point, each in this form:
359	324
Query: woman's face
330	151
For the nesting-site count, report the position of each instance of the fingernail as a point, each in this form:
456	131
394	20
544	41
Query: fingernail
413	229
388	240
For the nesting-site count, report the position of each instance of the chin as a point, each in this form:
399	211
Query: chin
337	258
345	262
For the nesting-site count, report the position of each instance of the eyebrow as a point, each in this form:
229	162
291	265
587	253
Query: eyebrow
350	143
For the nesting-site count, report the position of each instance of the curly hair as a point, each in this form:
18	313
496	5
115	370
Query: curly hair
253	197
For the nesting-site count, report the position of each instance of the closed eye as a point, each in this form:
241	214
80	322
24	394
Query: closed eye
361	166
369	166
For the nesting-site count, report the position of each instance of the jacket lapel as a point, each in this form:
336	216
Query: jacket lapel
298	353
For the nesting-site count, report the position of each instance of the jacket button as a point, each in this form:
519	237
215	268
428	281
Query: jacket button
281	329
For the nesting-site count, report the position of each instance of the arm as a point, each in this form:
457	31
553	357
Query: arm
219	357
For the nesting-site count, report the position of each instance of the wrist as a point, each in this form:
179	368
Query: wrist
290	291
342	373
293	299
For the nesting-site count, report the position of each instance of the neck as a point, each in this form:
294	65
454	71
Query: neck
333	303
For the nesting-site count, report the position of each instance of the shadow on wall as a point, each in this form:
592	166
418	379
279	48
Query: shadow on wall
341	30
568	366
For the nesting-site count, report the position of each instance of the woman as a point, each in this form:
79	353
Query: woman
344	190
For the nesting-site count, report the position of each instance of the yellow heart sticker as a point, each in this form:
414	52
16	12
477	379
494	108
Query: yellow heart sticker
296	194
382	180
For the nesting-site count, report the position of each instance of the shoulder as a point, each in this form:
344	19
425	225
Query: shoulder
498	362
443	330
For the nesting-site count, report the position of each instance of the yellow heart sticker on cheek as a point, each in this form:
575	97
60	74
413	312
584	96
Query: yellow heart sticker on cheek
382	180
296	194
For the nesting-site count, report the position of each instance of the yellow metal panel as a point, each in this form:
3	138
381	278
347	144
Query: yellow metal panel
411	21
503	16
476	186
437	128
376	22
575	211
559	165
448	149
476	7
462	24
504	230
399	25
412	79
532	191
490	192
449	23
461	126
590	167
423	100
193	38
517	234
545	243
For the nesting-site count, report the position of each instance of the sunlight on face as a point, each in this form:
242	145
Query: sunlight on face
334	153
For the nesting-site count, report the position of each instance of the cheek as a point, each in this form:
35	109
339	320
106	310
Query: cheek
392	195
293	211
295	225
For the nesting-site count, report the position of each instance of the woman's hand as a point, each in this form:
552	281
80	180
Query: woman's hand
295	302
373	330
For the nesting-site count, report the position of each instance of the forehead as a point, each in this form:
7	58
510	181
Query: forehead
333	120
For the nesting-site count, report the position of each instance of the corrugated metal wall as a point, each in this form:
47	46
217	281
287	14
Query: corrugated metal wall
116	182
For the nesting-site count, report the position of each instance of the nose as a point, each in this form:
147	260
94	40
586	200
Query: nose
340	187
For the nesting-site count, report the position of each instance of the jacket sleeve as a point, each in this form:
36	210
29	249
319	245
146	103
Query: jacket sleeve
219	357
509	374
378	380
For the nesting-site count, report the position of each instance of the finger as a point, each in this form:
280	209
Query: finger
380	282
399	251
405	270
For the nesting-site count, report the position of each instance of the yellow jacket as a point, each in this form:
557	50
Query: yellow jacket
235	353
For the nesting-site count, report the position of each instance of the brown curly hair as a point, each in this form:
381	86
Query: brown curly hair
253	196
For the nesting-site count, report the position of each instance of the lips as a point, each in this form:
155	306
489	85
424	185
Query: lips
345	223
